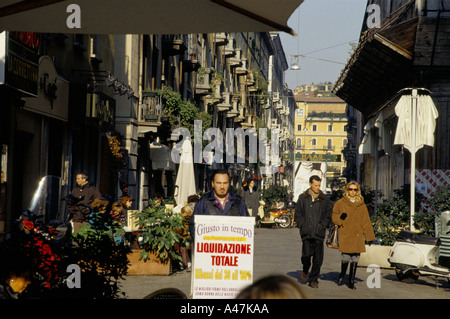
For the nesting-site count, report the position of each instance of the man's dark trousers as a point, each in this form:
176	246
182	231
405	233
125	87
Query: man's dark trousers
312	248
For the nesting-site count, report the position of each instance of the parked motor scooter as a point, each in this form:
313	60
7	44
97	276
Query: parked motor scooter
415	255
280	215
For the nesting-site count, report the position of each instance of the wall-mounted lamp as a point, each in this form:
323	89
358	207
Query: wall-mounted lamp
118	87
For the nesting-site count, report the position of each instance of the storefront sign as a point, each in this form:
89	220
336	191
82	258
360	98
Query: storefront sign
19	61
311	157
53	94
222	256
101	107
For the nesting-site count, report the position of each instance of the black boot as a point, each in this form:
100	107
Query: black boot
352	274
344	266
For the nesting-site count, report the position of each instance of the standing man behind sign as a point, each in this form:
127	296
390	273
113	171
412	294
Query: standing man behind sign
219	201
83	195
313	216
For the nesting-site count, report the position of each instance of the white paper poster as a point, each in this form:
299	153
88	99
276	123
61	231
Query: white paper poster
222	256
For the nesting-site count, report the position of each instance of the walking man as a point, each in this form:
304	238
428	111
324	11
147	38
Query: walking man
219	201
82	197
313	213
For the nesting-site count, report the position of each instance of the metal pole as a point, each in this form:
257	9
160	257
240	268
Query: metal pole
413	156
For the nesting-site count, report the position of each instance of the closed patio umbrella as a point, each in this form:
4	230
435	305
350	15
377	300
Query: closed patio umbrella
146	16
185	182
417	116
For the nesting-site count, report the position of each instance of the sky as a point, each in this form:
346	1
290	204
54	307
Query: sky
325	29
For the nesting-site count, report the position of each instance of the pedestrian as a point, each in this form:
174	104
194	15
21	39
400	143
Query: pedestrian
127	202
313	216
351	215
81	198
273	287
185	246
159	199
251	198
243	188
191	200
117	213
219	201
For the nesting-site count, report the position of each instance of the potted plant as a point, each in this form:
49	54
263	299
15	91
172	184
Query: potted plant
391	217
272	195
157	241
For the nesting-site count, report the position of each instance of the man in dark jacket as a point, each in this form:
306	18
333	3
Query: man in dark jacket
220	201
82	197
313	213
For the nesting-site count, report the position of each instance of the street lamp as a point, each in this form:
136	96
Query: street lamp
294	65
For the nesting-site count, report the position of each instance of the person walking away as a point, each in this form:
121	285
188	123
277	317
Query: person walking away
251	198
82	197
351	215
219	201
186	213
313	216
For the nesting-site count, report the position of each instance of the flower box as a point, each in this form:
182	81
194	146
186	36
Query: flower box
152	266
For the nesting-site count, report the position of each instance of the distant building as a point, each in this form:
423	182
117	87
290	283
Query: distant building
320	132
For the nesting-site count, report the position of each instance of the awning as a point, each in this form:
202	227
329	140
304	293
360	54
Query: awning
146	16
380	66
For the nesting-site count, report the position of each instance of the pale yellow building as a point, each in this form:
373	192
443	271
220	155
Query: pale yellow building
320	131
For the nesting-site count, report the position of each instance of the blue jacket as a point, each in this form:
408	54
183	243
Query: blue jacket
235	206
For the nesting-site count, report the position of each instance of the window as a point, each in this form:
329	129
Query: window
313	142
330	127
300	112
329	143
314	127
299	127
344	142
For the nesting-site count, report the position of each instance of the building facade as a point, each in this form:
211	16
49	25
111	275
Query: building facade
407	50
321	134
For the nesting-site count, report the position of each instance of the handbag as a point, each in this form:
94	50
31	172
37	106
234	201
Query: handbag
332	239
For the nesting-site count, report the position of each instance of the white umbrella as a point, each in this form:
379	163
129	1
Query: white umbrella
146	16
417	116
185	182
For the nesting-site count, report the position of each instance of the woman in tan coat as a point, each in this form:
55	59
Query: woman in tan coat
355	229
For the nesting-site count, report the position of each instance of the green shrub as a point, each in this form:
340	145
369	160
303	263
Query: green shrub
160	232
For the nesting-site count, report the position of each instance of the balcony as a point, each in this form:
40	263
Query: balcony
202	86
173	45
234	111
242	69
225	104
191	65
229	50
236	60
149	113
220	38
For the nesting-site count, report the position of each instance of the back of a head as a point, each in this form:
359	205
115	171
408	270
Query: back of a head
273	287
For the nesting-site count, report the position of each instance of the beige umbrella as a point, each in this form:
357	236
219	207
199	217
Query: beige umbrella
185	182
146	16
417	116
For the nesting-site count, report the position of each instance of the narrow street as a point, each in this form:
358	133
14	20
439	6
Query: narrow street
277	251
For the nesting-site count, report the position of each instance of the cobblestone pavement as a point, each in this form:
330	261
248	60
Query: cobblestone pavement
277	251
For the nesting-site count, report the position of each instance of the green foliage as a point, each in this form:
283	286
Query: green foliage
159	232
391	217
275	193
425	222
394	215
441	199
102	261
181	113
